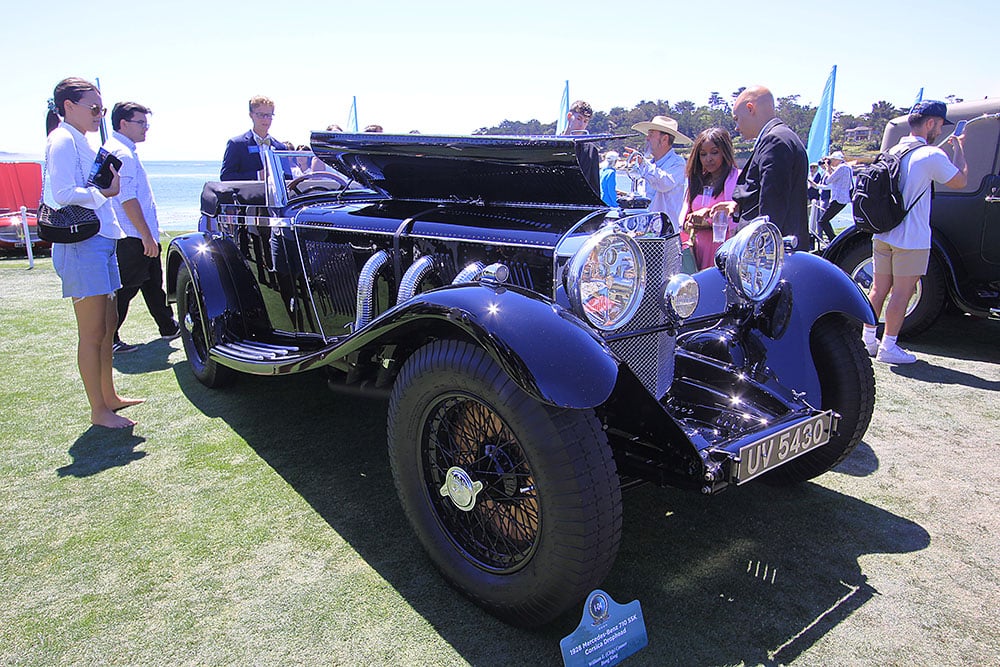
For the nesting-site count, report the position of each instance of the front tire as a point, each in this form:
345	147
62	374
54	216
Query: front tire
847	384
194	334
517	503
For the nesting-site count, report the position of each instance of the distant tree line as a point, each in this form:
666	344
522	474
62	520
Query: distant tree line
718	112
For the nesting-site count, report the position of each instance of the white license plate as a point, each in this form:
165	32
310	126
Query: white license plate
783	446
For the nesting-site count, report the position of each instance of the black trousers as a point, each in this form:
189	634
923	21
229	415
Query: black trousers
832	210
142	274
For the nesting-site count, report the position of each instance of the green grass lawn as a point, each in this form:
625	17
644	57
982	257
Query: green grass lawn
259	525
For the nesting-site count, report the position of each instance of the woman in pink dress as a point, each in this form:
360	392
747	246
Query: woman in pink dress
711	177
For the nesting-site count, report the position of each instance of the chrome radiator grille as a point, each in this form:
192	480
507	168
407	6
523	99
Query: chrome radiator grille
650	356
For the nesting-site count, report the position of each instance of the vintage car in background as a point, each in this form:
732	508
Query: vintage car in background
20	187
540	352
964	267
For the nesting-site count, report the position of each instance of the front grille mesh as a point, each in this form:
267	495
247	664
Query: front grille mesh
650	356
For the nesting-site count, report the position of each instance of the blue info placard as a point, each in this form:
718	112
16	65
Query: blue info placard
608	633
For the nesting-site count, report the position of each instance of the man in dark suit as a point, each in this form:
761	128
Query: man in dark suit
577	119
773	181
242	159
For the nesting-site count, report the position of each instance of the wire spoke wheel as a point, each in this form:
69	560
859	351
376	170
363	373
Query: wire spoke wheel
517	503
500	530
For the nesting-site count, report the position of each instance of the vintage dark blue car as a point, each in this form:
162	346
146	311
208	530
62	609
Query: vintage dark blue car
540	352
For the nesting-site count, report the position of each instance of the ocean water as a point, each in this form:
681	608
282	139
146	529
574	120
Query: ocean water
177	188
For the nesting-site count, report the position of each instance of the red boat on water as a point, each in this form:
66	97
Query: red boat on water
20	185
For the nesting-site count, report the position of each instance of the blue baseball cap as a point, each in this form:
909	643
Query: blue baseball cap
932	108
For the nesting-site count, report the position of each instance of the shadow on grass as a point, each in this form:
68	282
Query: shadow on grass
755	575
863	461
927	372
960	336
146	358
100	449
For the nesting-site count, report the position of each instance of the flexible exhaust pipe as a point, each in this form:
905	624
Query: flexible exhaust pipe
413	276
366	288
469	273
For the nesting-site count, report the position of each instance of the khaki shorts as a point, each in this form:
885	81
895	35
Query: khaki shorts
891	261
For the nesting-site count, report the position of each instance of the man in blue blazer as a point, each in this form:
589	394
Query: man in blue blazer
242	159
773	181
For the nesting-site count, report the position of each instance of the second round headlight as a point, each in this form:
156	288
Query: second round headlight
752	260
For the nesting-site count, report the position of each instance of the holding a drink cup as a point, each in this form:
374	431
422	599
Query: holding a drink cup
708	204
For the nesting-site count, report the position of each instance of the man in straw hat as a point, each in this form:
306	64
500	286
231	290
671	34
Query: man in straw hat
663	170
773	182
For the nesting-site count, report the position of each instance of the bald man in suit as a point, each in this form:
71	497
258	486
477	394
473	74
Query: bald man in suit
773	181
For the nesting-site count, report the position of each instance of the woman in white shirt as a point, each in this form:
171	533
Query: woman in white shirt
88	269
839	180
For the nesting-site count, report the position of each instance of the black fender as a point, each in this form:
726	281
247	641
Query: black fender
228	291
844	241
819	288
546	349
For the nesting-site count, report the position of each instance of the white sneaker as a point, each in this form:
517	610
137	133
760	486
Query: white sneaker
894	355
872	347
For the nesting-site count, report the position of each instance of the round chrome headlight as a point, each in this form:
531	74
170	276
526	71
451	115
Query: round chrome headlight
681	295
606	279
752	260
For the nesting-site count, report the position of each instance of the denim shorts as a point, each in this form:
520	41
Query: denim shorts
87	268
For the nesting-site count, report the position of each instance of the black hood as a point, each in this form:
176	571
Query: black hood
490	169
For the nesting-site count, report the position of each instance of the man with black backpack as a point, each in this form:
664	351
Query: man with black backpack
901	254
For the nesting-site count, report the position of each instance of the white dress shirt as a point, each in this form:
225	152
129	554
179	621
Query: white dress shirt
134	185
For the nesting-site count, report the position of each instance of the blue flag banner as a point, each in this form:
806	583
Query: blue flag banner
818	145
920	97
352	116
104	122
563	111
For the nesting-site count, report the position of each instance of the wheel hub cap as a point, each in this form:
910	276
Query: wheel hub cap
460	488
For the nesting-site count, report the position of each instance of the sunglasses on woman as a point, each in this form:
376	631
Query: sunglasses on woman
95	109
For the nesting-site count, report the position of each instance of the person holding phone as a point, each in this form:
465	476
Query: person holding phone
88	269
139	252
901	255
840	180
660	166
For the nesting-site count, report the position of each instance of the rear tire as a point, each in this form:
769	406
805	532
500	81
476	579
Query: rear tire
847	384
543	528
931	304
194	334
927	303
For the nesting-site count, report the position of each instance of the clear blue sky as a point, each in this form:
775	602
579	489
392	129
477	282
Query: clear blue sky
452	67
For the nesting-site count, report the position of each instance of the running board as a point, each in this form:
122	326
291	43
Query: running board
251	350
995	313
257	358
